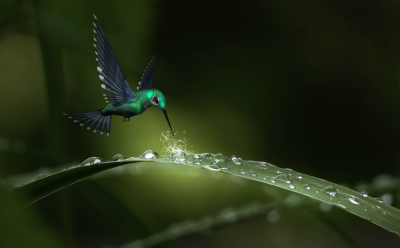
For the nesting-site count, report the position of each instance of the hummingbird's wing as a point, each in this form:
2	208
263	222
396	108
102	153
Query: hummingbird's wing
109	70
146	82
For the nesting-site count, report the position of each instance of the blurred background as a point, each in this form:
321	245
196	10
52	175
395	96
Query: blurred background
313	86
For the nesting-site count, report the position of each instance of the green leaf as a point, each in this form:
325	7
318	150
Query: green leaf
364	206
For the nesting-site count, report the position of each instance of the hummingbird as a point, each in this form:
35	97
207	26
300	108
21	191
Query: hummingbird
122	100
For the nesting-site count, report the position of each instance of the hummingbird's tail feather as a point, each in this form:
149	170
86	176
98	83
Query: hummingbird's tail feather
93	119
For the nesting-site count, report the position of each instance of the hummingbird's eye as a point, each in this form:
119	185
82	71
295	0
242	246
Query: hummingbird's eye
155	99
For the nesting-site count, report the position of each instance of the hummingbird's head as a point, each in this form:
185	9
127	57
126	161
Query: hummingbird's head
157	99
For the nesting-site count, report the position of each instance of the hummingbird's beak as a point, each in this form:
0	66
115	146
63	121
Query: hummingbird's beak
166	117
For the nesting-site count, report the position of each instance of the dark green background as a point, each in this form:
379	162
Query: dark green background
309	85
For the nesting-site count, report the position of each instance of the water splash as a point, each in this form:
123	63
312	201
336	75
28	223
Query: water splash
172	147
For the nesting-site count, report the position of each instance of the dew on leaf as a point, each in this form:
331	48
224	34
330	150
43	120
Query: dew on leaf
329	190
150	154
118	157
91	161
283	178
353	200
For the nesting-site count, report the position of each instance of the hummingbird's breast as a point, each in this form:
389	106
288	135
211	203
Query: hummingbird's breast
126	110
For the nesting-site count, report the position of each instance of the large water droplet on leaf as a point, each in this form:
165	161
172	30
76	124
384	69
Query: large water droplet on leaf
118	157
283	178
212	167
329	190
150	154
220	157
236	160
91	161
353	200
263	165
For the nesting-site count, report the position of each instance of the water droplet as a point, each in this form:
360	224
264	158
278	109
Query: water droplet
91	161
253	173
241	171
273	180
291	186
317	191
150	154
178	155
236	160
212	167
118	157
329	190
363	194
63	169
207	156
298	176
279	172
40	176
379	200
220	157
263	165
283	178
307	187
353	200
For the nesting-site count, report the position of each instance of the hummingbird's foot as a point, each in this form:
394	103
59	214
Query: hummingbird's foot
129	119
123	120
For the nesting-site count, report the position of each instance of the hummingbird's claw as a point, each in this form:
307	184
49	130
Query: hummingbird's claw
129	119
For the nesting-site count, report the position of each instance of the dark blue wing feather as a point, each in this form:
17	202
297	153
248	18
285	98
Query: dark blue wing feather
146	82
110	72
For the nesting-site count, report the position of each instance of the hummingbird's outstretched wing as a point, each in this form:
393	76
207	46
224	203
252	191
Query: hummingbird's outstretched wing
109	70
146	82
